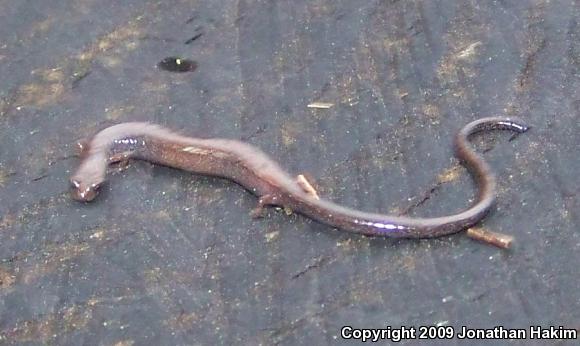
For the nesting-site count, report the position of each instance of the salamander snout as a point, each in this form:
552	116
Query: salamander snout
82	191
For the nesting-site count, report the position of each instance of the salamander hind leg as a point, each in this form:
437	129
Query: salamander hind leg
263	202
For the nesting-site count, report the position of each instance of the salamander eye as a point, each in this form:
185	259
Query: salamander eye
75	184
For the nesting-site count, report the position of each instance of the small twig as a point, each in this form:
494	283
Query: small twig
317	263
323	105
306	186
40	177
194	38
500	240
78	77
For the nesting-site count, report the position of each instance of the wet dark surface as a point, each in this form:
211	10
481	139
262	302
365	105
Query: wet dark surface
165	257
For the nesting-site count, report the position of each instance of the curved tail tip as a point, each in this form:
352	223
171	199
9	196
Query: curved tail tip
523	127
516	125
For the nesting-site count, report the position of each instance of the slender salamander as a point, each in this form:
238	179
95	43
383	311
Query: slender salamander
254	170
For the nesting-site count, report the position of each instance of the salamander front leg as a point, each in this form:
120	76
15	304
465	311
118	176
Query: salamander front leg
83	148
120	160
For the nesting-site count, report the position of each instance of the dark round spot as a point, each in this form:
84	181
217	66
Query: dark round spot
175	64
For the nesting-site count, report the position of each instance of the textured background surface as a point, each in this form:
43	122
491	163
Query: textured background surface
164	257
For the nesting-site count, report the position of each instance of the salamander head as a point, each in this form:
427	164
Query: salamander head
84	191
89	177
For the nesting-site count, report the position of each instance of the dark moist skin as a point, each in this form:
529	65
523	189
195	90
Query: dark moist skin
254	170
